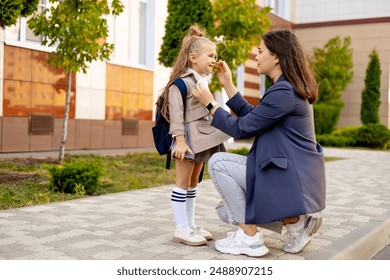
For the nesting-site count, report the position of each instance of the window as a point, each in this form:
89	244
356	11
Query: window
26	33
142	33
280	8
133	34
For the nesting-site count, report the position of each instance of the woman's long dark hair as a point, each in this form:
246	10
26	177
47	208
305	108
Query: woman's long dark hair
293	62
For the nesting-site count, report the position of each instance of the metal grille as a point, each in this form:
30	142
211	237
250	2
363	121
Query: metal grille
129	127
40	124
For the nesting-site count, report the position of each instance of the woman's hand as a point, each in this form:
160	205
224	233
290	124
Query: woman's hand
181	148
203	94
225	78
223	72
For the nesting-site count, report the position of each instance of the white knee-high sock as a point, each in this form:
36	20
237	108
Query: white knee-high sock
178	203
190	207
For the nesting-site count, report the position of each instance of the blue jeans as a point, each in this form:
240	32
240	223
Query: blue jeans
228	173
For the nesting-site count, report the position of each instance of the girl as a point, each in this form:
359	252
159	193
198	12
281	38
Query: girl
194	139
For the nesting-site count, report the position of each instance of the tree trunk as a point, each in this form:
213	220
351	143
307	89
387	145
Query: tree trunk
66	117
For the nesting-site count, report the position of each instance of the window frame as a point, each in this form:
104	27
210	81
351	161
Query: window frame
22	40
129	55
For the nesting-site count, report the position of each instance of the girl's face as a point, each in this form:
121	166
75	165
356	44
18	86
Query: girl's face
203	61
267	62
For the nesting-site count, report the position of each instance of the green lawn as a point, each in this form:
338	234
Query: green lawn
25	182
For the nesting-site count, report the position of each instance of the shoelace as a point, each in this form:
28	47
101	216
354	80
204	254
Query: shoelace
197	229
192	233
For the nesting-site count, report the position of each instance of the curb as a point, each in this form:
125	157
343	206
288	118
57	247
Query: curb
361	244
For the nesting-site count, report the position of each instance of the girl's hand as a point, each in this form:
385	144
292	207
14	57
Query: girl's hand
203	94
181	148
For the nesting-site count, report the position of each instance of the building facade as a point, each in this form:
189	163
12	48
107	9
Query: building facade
112	105
368	25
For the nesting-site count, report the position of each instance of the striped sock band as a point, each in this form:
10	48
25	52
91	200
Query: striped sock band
178	203
191	193
178	195
190	207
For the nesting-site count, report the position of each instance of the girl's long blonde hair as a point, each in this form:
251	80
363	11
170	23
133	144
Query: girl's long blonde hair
193	42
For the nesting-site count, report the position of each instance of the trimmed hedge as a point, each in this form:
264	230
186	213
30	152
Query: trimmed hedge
336	141
373	135
370	136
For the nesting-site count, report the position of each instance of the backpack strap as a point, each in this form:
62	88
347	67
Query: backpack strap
183	90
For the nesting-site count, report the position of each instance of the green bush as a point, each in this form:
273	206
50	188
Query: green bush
387	145
331	140
370	136
373	135
76	176
242	151
347	131
326	116
333	68
12	10
181	15
371	95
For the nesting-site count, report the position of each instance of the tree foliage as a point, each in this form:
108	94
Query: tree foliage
333	68
240	24
11	10
369	111
182	14
78	29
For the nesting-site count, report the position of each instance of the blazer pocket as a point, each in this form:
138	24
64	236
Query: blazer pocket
277	161
206	129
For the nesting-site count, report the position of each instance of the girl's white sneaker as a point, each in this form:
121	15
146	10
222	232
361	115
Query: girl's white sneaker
204	233
188	237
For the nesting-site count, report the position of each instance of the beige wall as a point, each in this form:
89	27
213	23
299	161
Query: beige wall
364	38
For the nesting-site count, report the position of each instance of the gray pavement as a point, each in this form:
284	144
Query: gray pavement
139	224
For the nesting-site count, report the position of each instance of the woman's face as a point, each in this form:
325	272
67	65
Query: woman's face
266	61
203	61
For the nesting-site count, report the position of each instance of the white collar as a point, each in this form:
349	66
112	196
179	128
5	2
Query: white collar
198	77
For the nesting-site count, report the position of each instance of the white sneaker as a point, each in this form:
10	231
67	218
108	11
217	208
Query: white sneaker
299	234
201	231
239	243
188	237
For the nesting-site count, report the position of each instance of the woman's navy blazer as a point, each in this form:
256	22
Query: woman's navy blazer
285	173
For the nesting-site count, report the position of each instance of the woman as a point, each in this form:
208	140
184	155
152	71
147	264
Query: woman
283	178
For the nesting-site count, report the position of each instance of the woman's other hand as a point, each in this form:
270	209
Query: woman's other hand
225	78
223	73
203	94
